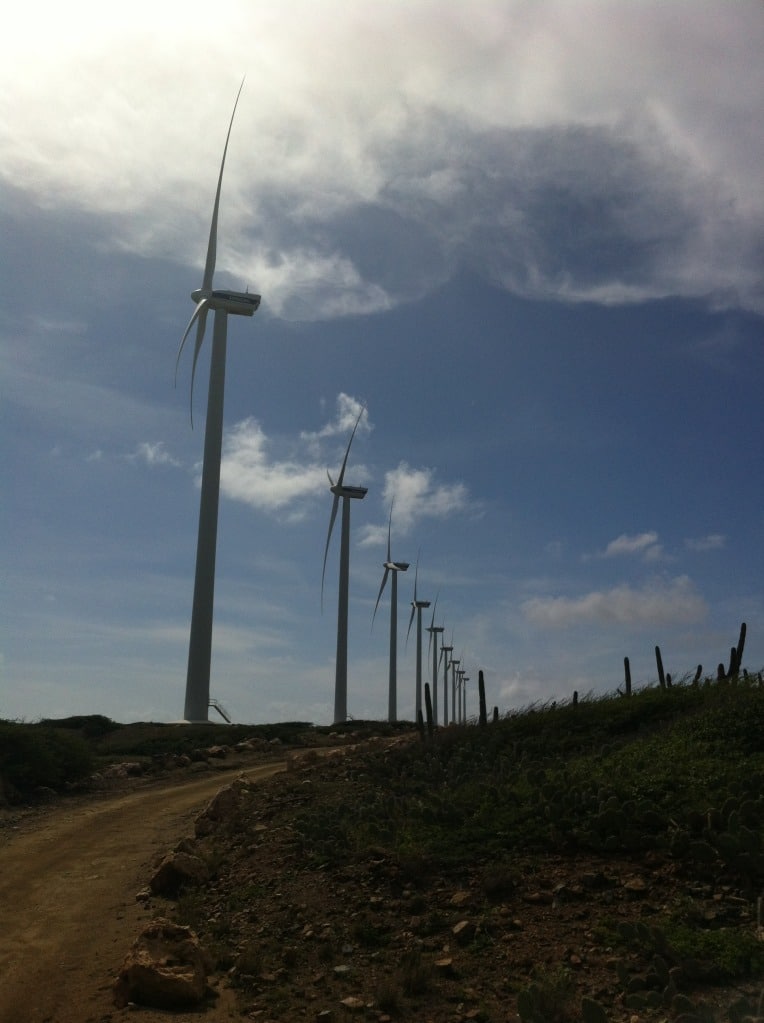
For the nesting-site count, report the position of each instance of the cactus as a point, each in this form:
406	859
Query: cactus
420	724
659	662
627	675
592	1012
732	670
481	691
428	706
575	697
698	673
736	654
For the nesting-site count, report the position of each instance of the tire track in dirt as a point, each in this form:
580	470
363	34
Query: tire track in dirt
68	912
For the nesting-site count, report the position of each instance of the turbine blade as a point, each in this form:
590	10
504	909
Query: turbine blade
379	595
434	606
209	266
341	476
200	316
335	505
201	304
197	348
389	526
411	620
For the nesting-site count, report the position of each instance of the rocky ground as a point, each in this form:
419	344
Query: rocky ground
386	937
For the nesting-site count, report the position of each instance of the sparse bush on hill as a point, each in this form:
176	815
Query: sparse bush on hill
36	756
605	775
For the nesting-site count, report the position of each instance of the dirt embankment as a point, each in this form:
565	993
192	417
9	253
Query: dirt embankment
68	884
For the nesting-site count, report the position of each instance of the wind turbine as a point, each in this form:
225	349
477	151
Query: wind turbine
393	567
347	494
221	302
447	650
416	608
454	708
435	631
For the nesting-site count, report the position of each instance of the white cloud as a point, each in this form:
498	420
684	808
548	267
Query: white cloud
470	128
712	542
658	603
349	412
642	543
251	473
247	475
417	495
153	454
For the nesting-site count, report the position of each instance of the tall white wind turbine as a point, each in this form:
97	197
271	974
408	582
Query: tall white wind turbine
392	568
221	302
435	632
445	653
347	494
454	709
417	606
465	680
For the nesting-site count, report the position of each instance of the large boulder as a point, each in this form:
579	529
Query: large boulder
179	869
223	810
166	969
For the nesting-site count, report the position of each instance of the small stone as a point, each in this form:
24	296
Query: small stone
464	931
460	898
539	898
352	1003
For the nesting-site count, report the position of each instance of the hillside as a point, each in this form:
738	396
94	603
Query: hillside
597	861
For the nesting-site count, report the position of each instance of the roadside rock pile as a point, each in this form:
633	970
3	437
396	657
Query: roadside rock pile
166	968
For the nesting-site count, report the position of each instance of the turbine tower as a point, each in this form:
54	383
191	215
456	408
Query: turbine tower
347	494
221	302
393	567
447	650
454	708
417	607
434	631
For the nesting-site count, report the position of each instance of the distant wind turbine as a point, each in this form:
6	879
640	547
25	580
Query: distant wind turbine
391	567
445	652
432	646
454	708
417	607
222	302
347	494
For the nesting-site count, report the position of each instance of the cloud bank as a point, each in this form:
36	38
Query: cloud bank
674	601
583	153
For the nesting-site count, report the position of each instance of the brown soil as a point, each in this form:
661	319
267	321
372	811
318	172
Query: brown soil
379	938
69	875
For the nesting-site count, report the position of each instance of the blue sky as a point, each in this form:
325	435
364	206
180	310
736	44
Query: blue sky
528	237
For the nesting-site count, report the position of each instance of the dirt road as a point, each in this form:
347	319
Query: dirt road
68	912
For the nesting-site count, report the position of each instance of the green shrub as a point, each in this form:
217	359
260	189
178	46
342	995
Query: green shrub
37	756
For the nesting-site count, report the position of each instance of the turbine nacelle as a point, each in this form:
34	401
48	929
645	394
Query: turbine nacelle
239	303
340	490
396	566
